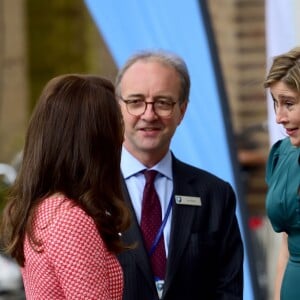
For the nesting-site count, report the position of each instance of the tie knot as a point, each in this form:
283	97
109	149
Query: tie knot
150	176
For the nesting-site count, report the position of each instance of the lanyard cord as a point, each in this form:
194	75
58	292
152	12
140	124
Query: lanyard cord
161	229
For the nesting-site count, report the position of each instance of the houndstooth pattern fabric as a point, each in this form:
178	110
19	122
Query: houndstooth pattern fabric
151	221
75	263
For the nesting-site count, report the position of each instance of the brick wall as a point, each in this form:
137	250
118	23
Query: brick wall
240	36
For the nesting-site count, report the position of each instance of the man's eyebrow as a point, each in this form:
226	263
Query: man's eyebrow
164	97
135	96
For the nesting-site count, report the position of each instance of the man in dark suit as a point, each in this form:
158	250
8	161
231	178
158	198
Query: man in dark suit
198	241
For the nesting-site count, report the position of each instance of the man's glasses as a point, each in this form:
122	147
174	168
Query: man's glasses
162	107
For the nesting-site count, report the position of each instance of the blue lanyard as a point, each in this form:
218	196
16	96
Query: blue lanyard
161	229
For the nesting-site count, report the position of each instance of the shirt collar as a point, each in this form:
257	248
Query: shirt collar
131	166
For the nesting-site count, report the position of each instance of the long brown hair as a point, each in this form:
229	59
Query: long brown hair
73	146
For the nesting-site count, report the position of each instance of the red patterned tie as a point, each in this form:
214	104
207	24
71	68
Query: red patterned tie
150	224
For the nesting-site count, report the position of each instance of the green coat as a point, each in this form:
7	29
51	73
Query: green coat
283	208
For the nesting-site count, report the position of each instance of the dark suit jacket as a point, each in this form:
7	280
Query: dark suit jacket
205	259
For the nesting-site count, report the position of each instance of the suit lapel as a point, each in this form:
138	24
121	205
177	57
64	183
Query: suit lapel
133	236
181	225
182	220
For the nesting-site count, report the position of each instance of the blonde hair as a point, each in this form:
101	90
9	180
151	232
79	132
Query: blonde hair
285	68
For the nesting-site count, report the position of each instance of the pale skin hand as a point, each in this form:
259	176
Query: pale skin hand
281	265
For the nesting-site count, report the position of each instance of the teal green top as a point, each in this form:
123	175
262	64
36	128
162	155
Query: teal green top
283	197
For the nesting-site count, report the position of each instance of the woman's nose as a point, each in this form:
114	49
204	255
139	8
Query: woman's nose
281	116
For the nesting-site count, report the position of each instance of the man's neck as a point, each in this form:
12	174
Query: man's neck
148	159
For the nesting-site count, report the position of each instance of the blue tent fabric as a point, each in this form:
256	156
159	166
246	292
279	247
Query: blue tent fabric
130	26
178	26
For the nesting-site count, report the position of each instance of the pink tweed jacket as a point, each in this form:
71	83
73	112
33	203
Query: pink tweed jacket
73	262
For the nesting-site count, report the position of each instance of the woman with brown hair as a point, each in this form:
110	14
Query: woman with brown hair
66	213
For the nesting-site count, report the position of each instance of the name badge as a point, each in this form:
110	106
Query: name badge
188	200
159	287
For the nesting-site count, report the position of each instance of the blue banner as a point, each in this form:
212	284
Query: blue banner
204	138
